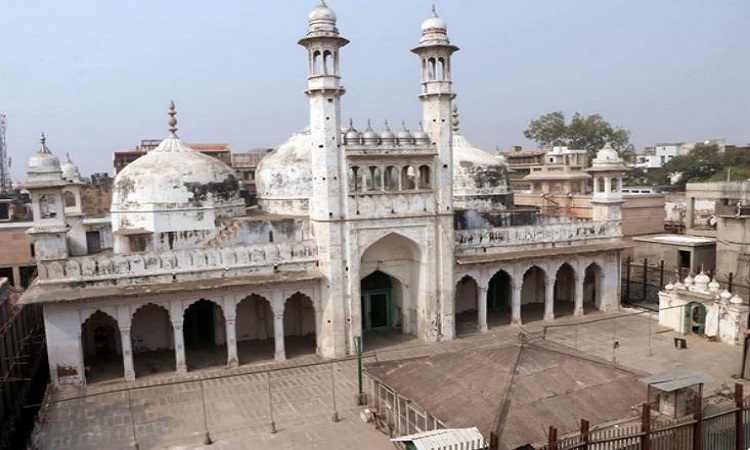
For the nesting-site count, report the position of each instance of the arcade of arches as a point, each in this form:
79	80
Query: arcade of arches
520	293
158	337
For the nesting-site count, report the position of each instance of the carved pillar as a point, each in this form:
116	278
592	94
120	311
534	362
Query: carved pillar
578	309
179	348
482	308
549	299
232	359
516	303
278	332
127	353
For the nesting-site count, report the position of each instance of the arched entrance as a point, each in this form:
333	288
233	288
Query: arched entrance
592	288
565	291
152	336
390	288
254	329
533	295
203	331
102	349
499	299
299	326
377	302
466	306
695	319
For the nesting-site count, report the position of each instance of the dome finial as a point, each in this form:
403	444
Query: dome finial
434	12
43	148
455	122
172	119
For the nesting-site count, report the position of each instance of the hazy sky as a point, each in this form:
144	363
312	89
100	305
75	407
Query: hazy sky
97	75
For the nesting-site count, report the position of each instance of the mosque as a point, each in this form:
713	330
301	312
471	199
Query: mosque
356	233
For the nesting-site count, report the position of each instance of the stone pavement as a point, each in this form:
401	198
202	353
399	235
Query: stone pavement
167	412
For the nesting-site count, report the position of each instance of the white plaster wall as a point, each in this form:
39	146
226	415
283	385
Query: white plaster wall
62	329
254	320
151	329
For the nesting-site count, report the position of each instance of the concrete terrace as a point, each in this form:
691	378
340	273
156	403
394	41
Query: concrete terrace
165	411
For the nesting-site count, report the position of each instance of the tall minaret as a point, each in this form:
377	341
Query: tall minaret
434	51
324	91
326	205
607	169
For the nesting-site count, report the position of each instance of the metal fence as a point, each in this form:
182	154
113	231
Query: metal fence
643	279
726	430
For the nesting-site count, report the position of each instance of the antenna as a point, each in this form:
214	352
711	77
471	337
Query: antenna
6	186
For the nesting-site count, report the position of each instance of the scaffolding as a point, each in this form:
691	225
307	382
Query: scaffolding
6	186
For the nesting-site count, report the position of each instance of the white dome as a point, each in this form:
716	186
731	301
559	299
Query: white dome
174	176
283	178
434	23
322	13
475	171
43	165
70	170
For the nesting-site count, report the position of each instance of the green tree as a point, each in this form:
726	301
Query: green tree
700	164
589	133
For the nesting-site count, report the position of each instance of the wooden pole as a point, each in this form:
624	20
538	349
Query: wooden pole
645	427
731	277
645	278
552	438
584	434
661	274
627	280
698	424
739	432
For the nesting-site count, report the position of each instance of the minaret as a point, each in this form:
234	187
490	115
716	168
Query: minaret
45	185
434	51
324	92
326	205
73	207
607	170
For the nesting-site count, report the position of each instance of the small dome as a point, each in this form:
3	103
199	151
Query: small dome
43	165
70	170
669	287
321	13
689	279
714	285
369	137
725	295
434	23
736	300
404	137
352	136
702	279
387	136
421	137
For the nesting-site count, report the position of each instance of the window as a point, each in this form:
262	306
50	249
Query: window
70	199
424	177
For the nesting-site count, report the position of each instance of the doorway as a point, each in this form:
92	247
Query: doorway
377	303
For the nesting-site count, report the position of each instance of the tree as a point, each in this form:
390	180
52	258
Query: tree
589	133
702	162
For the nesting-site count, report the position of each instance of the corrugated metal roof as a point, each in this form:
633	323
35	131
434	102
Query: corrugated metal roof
551	386
471	439
674	379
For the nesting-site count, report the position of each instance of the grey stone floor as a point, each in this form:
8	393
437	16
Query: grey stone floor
164	411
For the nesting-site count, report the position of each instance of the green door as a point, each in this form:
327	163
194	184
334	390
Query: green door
377	310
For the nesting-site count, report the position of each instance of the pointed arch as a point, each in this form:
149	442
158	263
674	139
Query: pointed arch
533	293
204	334
152	337
300	327
254	329
466	305
593	280
564	290
102	348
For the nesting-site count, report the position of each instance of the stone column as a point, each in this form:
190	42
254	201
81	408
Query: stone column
482	309
578	310
278	332
689	211
516	304
232	359
549	299
127	353
179	348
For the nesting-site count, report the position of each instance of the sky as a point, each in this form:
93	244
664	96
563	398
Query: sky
96	76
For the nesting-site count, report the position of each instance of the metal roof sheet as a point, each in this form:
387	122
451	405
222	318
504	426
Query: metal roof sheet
468	438
674	379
